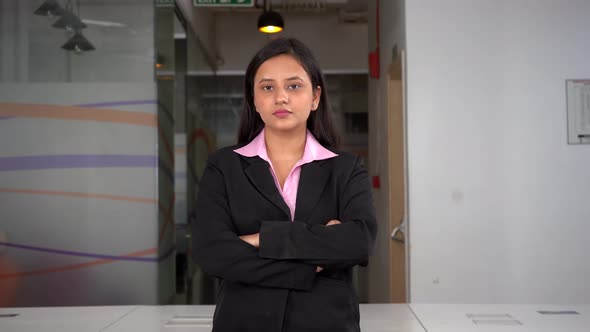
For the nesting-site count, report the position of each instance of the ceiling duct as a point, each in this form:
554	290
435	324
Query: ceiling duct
352	17
354	12
304	5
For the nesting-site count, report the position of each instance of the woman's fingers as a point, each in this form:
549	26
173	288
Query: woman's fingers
252	239
333	222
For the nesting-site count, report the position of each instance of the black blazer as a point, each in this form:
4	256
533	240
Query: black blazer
275	288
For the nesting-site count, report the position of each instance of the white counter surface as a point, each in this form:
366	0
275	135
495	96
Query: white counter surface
374	318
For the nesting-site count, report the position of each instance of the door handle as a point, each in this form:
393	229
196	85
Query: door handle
401	228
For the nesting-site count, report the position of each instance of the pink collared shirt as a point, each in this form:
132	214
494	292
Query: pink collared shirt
313	151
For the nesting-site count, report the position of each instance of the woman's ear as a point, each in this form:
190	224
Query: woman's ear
315	102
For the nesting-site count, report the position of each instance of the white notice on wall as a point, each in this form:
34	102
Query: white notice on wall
578	109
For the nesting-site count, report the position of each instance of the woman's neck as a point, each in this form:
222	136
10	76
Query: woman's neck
285	145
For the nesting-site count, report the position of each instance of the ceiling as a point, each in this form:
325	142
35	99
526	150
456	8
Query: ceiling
349	11
304	5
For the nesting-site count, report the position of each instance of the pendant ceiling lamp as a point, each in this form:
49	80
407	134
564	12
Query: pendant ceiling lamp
270	21
69	21
78	43
50	8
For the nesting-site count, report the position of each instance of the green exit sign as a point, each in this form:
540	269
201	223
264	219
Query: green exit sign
223	3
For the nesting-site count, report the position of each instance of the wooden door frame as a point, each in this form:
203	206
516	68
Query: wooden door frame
397	146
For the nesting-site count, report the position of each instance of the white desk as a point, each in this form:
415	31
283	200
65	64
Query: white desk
374	318
197	318
194	318
388	318
65	319
502	318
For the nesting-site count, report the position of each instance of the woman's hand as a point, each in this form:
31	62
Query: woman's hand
333	222
252	239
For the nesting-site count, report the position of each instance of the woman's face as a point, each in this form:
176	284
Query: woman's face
284	95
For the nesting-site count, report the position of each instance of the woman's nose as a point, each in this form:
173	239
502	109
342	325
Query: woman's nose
281	96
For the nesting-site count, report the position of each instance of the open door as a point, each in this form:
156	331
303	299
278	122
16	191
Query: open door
397	180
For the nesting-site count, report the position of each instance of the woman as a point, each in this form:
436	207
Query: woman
283	217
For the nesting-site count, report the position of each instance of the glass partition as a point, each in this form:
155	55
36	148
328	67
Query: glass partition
87	153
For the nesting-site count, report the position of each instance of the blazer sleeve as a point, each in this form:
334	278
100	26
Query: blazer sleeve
219	251
347	244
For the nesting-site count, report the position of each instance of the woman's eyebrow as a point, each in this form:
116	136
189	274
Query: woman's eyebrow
294	78
265	80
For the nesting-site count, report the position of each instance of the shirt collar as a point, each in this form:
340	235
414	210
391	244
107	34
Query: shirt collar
313	149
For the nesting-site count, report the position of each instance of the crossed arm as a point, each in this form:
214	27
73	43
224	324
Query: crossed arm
282	254
254	239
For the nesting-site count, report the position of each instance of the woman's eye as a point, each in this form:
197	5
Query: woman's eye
267	88
294	86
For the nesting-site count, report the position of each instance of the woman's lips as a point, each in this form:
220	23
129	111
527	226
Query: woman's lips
281	113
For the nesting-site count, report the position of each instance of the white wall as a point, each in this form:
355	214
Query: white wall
498	200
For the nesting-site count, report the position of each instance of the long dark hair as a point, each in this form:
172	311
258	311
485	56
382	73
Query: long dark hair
319	123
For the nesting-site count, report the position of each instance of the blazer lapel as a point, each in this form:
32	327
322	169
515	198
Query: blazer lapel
258	172
314	177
